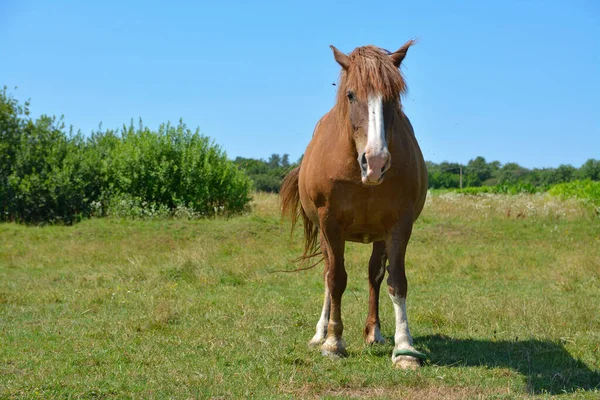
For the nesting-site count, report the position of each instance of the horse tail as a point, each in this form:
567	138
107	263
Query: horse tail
291	207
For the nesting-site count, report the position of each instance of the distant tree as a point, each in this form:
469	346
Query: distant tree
495	166
480	168
285	161
266	175
274	161
511	173
565	173
450	168
590	170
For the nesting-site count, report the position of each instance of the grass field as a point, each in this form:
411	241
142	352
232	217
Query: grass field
504	296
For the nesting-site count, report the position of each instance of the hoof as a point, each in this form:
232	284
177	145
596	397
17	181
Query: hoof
333	348
316	341
374	340
408	359
374	337
406	362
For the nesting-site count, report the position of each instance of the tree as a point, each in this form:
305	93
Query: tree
450	168
266	175
274	161
480	168
565	173
590	170
511	173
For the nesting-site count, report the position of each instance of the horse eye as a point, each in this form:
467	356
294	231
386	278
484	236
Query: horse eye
350	95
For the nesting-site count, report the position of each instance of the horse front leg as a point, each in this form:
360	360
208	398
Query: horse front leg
404	356
372	333
321	330
336	279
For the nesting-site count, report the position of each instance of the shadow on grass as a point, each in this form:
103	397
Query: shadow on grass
548	367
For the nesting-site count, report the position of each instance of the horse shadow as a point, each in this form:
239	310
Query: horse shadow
547	365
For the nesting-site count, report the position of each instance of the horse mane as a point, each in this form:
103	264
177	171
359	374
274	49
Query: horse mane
371	70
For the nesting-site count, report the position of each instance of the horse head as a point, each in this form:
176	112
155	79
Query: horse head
368	97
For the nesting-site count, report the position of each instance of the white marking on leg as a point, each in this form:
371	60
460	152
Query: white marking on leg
376	336
402	337
321	332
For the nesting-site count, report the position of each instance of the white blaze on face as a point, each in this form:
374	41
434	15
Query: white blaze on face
376	144
376	151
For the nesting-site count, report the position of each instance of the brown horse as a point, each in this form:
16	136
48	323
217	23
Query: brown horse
341	193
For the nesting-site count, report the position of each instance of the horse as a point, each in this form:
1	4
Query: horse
362	179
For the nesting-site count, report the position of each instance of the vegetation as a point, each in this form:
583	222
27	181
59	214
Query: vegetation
587	191
479	176
478	172
503	297
194	307
50	175
266	175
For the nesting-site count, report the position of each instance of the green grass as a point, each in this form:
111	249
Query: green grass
503	295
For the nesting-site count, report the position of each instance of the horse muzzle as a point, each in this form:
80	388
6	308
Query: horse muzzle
373	166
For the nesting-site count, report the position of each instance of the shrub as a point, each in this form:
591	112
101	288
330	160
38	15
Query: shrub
47	178
587	191
174	167
48	175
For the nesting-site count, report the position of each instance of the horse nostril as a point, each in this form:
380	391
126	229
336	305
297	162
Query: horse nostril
363	161
383	169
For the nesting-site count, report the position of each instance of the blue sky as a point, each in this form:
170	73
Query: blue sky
508	80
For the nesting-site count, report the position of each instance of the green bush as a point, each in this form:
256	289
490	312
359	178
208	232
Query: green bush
587	191
173	167
44	175
50	176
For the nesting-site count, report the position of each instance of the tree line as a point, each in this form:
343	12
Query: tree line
479	172
267	175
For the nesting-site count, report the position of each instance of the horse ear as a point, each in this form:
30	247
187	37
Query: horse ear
341	58
399	55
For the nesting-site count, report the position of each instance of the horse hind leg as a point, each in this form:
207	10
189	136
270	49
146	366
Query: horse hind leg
321	329
336	280
372	332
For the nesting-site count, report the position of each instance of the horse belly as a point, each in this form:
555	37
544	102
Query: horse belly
364	238
366	231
